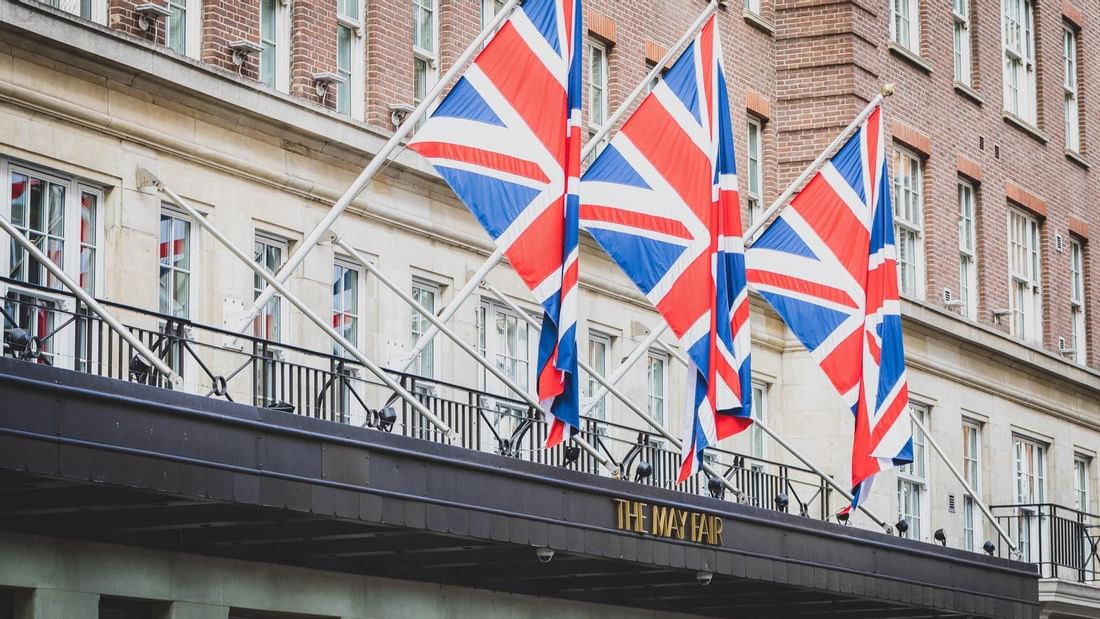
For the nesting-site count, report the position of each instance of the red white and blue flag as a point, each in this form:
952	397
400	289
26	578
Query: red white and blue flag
662	200
827	264
507	139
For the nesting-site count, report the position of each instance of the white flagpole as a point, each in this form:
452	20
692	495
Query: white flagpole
491	367
637	410
88	300
483	271
324	325
796	184
376	164
804	460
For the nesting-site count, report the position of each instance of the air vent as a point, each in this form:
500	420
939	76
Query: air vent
1062	344
996	151
947	295
951	503
981	142
1059	243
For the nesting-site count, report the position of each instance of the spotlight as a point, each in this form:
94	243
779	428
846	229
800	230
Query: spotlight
281	406
782	501
902	526
716	487
139	369
20	343
570	455
704	578
940	537
544	554
386	418
989	547
842	518
643	471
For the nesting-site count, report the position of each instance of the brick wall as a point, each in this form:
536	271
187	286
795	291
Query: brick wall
226	21
312	48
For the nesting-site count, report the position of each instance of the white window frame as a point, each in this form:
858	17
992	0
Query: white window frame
1082	480
429	56
960	15
489	10
597	339
657	403
1070	88
913	479
1025	273
354	75
754	188
1029	490
973	531
905	24
96	9
758	440
968	250
419	287
1018	43
274	240
752	6
1079	330
490	348
281	44
176	215
908	183
595	91
349	265
75	187
192	27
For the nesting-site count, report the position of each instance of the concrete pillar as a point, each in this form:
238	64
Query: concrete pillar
52	603
187	610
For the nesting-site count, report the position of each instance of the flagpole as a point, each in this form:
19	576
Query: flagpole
796	185
438	323
654	72
804	460
376	163
966	486
303	307
483	271
646	417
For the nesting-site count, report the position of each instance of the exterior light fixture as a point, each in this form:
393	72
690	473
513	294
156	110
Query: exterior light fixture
322	81
148	13
643	471
842	518
989	547
570	454
782	501
399	112
544	554
716	487
940	536
704	578
242	50
902	526
386	418
21	344
281	406
139	370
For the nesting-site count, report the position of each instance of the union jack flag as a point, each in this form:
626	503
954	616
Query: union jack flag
662	200
827	264
507	139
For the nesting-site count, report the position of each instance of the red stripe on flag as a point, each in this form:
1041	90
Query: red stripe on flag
674	154
870	136
729	425
634	219
833	220
557	433
538	251
684	303
525	82
482	158
706	58
844	365
801	286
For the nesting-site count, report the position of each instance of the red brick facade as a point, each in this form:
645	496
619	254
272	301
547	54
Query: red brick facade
804	68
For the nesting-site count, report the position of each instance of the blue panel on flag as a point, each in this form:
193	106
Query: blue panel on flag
544	15
496	203
892	364
681	79
465	102
849	163
649	259
781	237
811	323
610	166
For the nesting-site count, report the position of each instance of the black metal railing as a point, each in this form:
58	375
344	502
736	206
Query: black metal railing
1061	541
47	326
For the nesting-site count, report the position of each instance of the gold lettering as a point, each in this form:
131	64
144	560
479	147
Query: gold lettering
695	526
662	520
718	532
704	529
683	524
639	518
620	505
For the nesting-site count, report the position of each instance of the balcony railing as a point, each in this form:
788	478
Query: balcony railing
46	326
1061	541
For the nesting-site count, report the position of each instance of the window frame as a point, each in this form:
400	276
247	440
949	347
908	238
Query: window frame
754	197
912	31
354	86
430	57
1027	529
591	385
192	27
758	440
343	262
489	10
657	357
906	229
962	41
973	529
1026	311
489	348
1071	88
968	248
915	481
281	45
419	286
1078	309
167	210
1082	480
1018	60
272	239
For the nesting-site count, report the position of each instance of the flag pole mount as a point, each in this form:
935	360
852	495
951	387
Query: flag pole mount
889	89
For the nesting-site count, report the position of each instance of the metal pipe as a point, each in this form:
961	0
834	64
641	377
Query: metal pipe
804	460
654	72
954	471
376	163
88	300
443	328
452	308
305	309
796	185
624	367
646	417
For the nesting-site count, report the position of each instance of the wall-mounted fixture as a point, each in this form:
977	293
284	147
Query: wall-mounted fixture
149	13
323	81
399	112
242	50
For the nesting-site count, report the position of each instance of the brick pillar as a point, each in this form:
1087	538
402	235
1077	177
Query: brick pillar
312	48
225	21
389	48
121	16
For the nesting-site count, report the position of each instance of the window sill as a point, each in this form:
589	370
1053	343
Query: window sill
351	23
757	21
968	92
911	57
1024	126
1076	157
